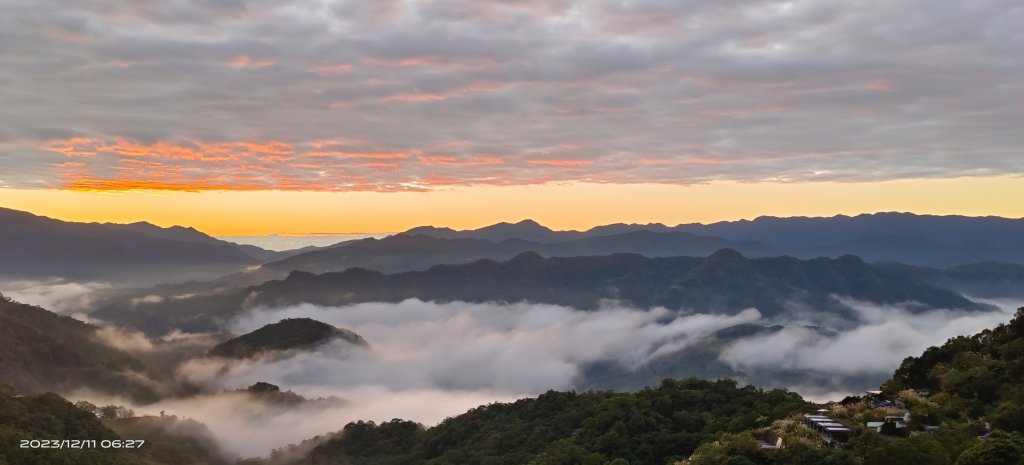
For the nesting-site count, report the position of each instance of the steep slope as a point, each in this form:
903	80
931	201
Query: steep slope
969	377
43	351
36	247
964	400
287	334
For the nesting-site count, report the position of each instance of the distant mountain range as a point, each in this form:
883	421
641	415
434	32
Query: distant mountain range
35	247
926	240
985	279
406	252
724	282
140	253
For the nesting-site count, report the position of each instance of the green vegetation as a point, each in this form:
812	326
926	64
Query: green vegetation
171	440
168	440
972	377
964	399
291	333
654	426
43	351
959	391
48	416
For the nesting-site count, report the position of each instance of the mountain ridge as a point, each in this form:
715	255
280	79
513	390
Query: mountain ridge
725	282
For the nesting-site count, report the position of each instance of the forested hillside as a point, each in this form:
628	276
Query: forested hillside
965	401
43	351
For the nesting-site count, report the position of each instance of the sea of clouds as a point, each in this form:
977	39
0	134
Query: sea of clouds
427	361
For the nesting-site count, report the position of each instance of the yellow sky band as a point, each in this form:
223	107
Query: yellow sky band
561	206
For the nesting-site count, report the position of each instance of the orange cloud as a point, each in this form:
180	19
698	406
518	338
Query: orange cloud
319	165
74	147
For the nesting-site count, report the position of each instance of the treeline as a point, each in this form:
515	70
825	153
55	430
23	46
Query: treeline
655	426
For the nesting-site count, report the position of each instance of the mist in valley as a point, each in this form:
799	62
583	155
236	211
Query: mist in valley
427	361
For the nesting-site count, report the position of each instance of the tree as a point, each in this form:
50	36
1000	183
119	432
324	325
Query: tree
999	449
1009	416
109	411
918	450
88	407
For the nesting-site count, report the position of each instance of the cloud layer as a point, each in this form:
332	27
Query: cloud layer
428	361
56	295
410	95
516	348
882	338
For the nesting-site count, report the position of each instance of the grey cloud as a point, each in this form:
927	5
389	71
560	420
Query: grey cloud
56	295
848	91
875	346
517	348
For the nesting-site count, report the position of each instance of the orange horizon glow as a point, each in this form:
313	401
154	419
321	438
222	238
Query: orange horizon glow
563	206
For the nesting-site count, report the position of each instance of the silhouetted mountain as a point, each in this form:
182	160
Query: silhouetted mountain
725	282
391	254
189	234
985	279
405	252
43	351
37	247
291	333
527	230
901	237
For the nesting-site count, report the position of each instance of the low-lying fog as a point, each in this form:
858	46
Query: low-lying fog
427	361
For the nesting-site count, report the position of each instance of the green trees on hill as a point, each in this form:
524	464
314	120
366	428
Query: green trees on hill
972	377
41	350
999	449
653	426
48	416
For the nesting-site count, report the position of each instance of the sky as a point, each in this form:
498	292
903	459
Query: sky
342	116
